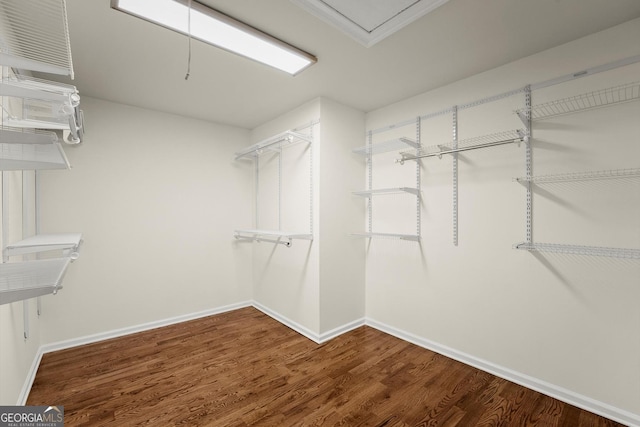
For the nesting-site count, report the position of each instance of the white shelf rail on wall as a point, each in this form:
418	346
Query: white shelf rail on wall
35	36
574	104
276	144
388	146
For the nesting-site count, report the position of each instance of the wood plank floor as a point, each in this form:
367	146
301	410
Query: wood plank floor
243	368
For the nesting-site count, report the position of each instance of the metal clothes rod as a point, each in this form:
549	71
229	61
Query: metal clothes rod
457	150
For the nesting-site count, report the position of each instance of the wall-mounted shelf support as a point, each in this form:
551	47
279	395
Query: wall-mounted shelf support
371	149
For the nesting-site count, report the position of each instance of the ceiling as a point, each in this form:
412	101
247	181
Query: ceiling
123	59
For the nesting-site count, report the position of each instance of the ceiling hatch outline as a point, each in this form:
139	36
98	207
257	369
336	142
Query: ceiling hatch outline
369	21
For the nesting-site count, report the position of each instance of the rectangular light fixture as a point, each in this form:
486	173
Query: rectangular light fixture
217	29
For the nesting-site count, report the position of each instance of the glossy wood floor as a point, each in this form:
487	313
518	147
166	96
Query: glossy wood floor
243	368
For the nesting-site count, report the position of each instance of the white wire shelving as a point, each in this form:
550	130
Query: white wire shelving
272	236
275	144
69	243
30	279
484	141
600	98
39	104
386	191
388	146
580	250
36	36
390	236
582	176
272	144
26	149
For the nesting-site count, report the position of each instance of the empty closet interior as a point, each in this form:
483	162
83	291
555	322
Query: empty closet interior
493	217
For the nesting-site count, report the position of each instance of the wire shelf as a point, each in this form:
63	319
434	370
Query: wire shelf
583	176
601	98
484	141
68	242
34	103
272	236
32	156
274	143
30	279
385	191
9	135
411	237
580	250
396	144
30	25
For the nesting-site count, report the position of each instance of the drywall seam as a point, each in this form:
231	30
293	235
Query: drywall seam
562	394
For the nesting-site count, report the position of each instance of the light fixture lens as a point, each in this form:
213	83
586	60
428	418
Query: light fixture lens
219	30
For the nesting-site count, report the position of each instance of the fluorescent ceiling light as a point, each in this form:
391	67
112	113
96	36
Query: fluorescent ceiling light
220	30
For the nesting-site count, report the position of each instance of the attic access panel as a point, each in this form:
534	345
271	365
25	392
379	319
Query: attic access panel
369	21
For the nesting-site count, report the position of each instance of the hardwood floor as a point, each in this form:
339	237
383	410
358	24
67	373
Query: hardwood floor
243	368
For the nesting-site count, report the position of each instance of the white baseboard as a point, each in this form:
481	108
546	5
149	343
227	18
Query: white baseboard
303	330
562	394
568	396
61	345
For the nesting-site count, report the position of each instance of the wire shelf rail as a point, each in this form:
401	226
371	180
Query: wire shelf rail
385	191
583	176
601	98
580	250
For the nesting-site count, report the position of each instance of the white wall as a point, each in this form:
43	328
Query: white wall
572	321
342	258
157	197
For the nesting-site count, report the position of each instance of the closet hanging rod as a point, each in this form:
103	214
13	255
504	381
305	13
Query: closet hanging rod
407	156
